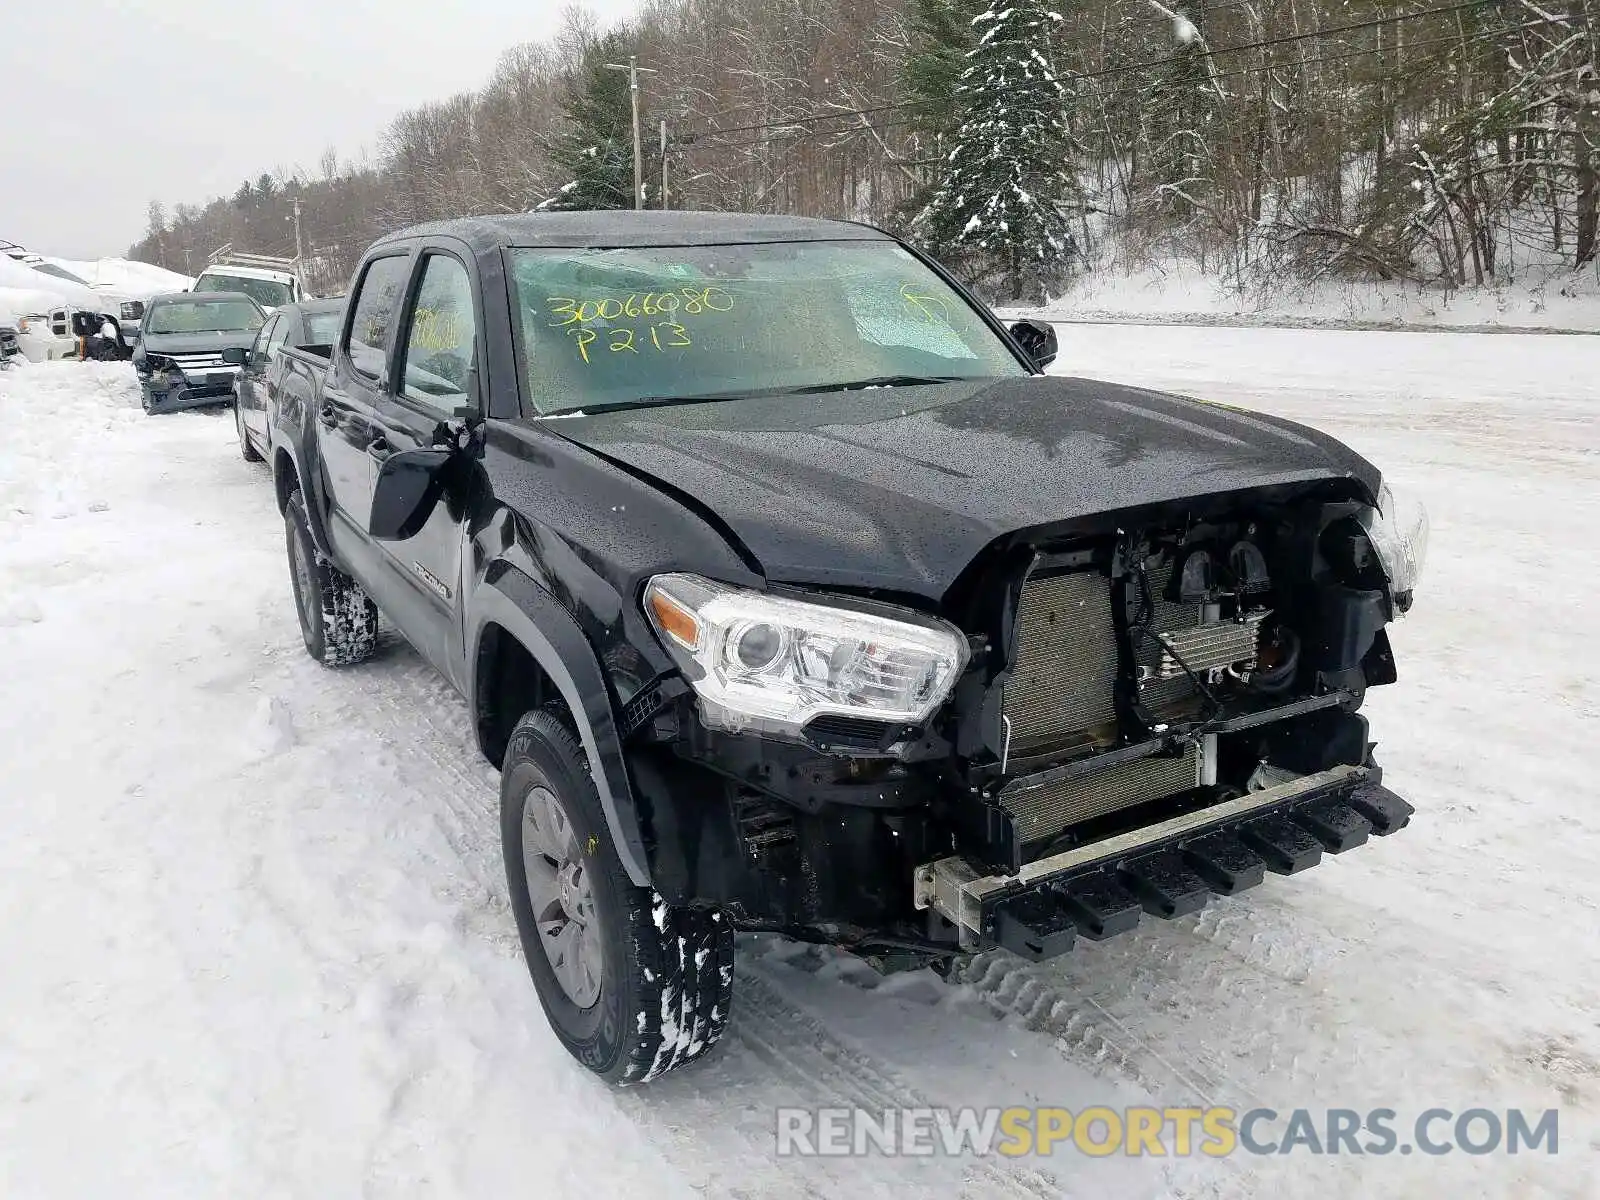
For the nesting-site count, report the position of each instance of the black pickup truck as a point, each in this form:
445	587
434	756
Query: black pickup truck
789	594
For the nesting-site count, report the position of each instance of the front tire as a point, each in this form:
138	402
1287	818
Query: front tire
337	620
633	987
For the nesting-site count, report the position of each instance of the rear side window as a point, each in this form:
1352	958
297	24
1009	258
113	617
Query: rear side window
323	327
376	302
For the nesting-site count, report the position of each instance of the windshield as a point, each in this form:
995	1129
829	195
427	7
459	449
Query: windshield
205	316
268	293
323	327
614	328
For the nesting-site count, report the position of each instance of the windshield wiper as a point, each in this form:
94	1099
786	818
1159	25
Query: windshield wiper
814	389
881	381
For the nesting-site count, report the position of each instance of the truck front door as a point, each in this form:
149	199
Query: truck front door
436	387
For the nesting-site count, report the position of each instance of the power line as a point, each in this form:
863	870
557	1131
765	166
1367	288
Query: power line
787	130
1170	59
1126	68
1454	38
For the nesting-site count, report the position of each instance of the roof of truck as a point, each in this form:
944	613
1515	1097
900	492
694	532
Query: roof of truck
244	271
628	228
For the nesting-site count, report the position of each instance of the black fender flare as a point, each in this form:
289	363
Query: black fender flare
309	482
557	643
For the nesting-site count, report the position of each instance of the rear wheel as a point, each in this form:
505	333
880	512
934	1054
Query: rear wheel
632	986
245	448
337	620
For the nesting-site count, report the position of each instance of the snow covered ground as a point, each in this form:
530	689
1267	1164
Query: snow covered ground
257	940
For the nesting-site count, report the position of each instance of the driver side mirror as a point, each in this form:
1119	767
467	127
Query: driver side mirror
1038	340
410	485
236	356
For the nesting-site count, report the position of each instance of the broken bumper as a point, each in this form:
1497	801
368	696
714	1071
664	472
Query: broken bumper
1167	869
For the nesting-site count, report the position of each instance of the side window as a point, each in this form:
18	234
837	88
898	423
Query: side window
377	300
261	346
279	335
441	341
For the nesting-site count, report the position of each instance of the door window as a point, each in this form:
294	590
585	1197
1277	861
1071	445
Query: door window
377	300
280	334
260	347
442	339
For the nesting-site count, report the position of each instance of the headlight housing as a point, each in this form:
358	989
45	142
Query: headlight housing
1398	531
772	664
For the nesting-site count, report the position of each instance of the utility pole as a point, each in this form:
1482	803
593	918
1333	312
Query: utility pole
634	69
666	200
299	247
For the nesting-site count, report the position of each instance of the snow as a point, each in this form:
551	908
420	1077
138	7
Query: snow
258	940
124	276
24	290
1180	293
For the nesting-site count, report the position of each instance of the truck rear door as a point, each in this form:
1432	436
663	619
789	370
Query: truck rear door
347	424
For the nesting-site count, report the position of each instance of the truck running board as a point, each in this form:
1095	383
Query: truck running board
1166	870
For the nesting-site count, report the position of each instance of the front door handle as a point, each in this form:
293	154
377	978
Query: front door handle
379	449
328	415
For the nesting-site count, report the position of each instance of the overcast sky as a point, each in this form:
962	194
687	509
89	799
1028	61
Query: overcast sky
108	104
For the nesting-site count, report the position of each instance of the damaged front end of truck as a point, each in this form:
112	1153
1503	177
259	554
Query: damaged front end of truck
1112	717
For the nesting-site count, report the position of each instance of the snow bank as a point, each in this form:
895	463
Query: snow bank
1182	294
24	290
125	276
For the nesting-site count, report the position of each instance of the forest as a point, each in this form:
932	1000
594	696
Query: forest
1025	142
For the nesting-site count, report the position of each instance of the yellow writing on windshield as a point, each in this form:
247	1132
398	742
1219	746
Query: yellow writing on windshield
932	308
668	335
637	306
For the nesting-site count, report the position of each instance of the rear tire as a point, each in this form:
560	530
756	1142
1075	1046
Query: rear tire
248	451
337	620
658	987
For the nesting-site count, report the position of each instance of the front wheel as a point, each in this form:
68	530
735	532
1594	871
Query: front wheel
633	987
337	620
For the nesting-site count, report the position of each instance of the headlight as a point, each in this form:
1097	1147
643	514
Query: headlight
1398	531
772	664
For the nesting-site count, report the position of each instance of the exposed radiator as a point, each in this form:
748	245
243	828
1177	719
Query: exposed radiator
1061	691
1045	811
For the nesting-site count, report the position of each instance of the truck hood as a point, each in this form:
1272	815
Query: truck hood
195	343
901	488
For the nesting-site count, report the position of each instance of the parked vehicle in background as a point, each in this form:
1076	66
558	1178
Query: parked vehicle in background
10	348
310	327
48	337
179	357
790	594
130	314
270	281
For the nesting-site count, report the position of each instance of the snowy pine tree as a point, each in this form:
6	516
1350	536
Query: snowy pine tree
1008	180
596	150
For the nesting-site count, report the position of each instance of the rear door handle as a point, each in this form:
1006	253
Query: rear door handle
328	415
